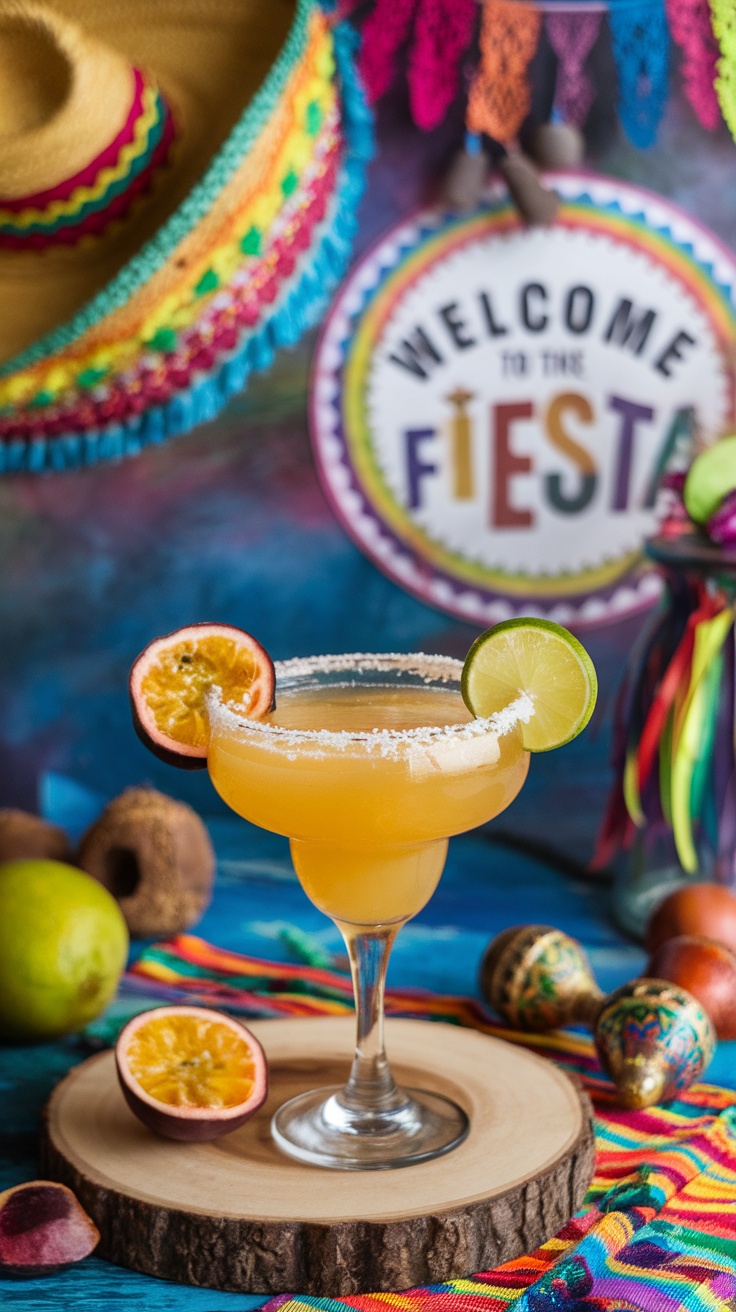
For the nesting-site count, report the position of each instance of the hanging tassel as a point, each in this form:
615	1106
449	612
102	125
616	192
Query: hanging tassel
726	770
557	145
629	708
724	28
647	668
673	728
665	768
724	748
443	29
640	41
536	203
384	33
703	762
710	636
664	698
692	29
466	178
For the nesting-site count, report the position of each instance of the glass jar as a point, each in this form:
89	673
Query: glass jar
674	800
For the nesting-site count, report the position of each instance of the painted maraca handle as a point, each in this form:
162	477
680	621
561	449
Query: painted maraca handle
539	979
653	1038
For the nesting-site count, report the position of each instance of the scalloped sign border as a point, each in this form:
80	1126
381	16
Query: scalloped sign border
491	406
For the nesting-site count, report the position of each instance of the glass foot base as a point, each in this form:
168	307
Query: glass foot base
320	1128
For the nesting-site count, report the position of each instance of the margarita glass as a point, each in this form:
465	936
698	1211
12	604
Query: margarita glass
368	764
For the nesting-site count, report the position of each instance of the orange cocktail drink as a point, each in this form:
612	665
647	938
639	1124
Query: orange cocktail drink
368	765
368	807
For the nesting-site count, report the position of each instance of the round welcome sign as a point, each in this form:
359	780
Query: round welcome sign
493	406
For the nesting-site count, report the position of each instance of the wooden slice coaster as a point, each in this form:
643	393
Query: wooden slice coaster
236	1214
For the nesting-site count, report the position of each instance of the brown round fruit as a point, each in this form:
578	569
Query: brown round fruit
707	970
706	910
156	858
26	835
171	679
190	1073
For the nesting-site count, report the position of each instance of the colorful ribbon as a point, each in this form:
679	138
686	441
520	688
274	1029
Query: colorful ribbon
674	733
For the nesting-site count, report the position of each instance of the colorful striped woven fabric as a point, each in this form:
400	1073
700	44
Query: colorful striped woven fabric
658	1229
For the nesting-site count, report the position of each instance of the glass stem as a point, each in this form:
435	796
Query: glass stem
370	1088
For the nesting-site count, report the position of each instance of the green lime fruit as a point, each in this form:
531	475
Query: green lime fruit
541	659
711	477
63	946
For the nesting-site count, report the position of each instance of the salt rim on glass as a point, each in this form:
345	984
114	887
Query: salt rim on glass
454	747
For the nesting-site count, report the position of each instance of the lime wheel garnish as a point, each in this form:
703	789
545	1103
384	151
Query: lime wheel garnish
171	679
190	1073
541	659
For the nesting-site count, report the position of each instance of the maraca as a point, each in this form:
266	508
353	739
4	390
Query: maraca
653	1038
539	979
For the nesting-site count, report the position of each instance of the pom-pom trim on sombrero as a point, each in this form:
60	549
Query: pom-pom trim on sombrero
284	287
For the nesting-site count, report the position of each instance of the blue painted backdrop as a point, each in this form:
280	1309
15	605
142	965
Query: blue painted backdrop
229	523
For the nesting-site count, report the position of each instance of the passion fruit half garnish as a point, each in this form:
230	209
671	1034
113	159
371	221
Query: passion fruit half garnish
190	1073
170	681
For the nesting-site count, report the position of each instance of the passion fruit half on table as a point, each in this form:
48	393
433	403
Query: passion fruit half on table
189	1073
171	679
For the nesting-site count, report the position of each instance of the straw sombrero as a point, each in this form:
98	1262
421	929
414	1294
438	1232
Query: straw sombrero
178	187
